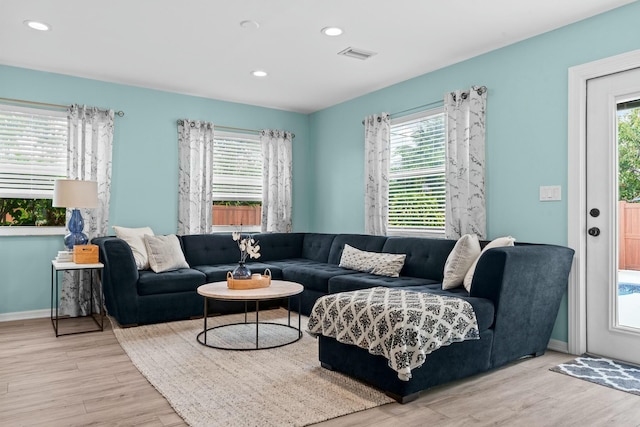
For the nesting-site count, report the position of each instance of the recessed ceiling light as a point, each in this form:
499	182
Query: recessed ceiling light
259	73
37	25
331	31
249	24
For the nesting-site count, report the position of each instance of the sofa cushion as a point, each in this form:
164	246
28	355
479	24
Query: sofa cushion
218	273
378	263
358	241
210	249
353	282
291	262
425	257
313	275
278	246
185	279
316	247
484	308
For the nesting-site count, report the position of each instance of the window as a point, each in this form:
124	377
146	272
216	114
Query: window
237	181
33	154
417	175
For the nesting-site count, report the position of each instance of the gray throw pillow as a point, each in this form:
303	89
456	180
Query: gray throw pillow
165	253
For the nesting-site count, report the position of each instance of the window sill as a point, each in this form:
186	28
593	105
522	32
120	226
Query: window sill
32	231
232	228
416	233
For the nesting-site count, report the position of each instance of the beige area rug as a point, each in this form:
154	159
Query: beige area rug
283	386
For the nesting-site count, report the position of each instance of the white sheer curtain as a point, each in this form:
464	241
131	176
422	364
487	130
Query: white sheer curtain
195	176
465	182
277	158
377	133
89	150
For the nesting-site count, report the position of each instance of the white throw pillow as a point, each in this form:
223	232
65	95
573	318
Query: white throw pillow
381	264
135	238
165	253
496	243
464	253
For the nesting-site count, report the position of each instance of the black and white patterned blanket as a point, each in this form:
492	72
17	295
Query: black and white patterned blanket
403	326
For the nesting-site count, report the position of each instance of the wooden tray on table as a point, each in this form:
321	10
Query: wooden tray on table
256	281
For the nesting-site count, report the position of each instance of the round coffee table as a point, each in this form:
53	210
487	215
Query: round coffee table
278	289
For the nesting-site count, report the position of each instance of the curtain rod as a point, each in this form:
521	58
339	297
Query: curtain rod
293	135
238	129
479	89
430	104
417	107
44	104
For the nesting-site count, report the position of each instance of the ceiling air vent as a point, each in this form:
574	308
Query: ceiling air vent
356	53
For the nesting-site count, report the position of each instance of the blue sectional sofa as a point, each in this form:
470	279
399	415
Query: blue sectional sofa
515	292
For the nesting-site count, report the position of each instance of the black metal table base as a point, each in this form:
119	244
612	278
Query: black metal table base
202	336
94	316
98	317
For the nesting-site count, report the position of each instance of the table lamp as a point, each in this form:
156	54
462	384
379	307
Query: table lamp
73	193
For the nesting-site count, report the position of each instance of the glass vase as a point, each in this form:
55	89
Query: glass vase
241	272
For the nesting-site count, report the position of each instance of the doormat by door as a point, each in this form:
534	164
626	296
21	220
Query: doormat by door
606	372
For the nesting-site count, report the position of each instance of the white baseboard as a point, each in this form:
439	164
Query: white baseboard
557	345
22	315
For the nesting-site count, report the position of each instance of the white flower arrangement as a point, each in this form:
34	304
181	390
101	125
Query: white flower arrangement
247	245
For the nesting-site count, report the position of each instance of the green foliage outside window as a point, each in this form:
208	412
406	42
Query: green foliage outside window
417	208
235	203
30	212
629	155
417	195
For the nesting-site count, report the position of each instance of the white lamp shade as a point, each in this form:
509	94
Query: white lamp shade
73	193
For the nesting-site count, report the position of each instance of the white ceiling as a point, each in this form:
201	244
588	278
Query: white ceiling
198	47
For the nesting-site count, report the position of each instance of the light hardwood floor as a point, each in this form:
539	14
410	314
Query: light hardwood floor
87	379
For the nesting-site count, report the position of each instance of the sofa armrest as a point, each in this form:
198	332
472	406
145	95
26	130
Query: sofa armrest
119	279
526	284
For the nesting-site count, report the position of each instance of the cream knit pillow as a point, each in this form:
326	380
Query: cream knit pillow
496	243
135	239
464	253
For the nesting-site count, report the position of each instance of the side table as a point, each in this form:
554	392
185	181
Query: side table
56	268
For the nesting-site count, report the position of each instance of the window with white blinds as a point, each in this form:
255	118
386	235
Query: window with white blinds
417	174
237	182
33	151
237	167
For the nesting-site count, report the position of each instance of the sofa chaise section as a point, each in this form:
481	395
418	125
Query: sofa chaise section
516	292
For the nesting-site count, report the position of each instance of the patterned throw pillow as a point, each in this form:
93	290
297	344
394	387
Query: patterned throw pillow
381	264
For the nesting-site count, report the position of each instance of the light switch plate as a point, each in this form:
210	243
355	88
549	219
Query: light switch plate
550	193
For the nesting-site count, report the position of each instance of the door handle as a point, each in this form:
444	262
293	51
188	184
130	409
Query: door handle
594	231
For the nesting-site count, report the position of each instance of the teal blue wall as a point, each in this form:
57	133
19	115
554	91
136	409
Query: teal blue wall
526	130
526	144
145	166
